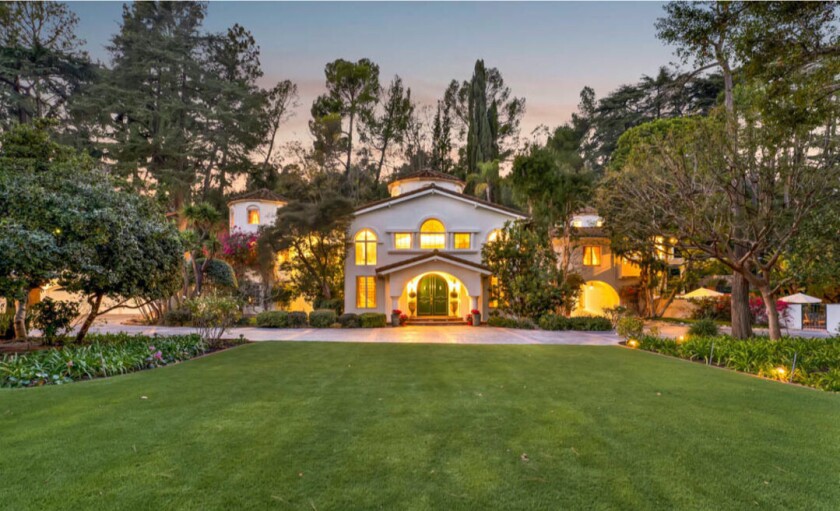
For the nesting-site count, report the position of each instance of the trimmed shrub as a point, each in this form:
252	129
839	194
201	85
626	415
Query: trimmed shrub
322	318
372	320
177	317
704	327
506	322
273	319
349	320
582	323
297	320
333	304
630	327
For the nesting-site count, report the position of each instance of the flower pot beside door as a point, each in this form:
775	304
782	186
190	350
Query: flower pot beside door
476	317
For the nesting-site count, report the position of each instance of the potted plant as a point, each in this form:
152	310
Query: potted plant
395	317
403	319
412	306
476	317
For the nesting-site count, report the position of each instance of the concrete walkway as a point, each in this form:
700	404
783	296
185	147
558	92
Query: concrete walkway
407	334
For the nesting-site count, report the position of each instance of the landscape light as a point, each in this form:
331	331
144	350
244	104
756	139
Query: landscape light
633	343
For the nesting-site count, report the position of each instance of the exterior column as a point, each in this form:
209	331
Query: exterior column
473	303
395	303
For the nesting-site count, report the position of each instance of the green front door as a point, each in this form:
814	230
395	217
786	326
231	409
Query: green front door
432	296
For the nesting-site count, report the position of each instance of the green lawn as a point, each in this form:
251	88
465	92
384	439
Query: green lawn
361	426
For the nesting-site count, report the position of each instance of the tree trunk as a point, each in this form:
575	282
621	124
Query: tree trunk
772	313
95	301
740	307
198	275
20	318
349	143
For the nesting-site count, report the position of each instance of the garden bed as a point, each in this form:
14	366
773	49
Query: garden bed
810	362
101	356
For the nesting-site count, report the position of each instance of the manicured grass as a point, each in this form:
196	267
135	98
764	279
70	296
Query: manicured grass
364	426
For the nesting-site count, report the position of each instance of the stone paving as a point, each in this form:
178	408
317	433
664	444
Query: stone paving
407	334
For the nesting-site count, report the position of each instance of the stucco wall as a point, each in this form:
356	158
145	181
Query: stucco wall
238	212
456	214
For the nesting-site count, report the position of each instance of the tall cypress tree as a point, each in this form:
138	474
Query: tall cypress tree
479	132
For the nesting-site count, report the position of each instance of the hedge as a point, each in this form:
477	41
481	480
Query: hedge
297	319
817	360
584	323
273	319
349	320
505	322
372	320
322	318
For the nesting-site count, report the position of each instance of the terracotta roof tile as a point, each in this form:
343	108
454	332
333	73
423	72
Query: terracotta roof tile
261	194
430	255
443	191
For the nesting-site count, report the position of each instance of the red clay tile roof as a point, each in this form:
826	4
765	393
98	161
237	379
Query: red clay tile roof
261	194
430	255
428	174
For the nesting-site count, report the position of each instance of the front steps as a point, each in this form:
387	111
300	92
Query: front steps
436	321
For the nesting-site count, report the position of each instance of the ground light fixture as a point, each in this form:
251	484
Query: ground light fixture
633	343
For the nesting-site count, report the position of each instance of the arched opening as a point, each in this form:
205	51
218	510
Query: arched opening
432	234
435	294
253	215
595	296
365	241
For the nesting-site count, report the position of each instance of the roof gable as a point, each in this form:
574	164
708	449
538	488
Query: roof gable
434	255
436	190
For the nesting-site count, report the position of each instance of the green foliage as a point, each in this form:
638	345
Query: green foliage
333	304
213	314
582	323
100	356
54	318
712	307
372	320
705	327
177	317
322	318
219	274
630	327
510	322
273	319
350	320
297	319
530	284
817	360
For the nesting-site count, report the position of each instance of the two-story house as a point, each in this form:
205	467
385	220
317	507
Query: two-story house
419	250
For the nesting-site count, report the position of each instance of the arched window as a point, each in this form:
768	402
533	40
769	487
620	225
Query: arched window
432	234
365	247
254	215
494	235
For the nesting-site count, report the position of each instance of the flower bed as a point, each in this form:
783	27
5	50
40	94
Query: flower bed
817	360
99	356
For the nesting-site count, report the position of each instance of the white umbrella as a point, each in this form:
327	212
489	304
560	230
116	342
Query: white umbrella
702	292
800	298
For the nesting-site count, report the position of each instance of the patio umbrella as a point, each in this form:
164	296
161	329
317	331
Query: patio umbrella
702	292
800	298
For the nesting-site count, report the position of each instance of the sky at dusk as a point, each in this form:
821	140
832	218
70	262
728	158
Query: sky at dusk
547	52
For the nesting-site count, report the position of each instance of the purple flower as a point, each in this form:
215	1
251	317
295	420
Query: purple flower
159	355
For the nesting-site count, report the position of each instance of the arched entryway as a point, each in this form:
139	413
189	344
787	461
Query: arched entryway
595	296
432	296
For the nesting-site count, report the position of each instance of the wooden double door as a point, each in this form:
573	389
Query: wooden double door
432	296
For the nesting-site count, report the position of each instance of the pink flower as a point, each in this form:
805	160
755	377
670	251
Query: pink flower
158	355
69	363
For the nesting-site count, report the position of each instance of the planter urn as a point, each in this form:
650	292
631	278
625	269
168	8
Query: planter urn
476	317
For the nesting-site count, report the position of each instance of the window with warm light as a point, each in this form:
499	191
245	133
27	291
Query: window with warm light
253	216
365	241
432	235
365	293
592	256
462	240
402	241
494	235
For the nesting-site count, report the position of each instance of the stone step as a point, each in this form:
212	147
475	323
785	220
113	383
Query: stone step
435	321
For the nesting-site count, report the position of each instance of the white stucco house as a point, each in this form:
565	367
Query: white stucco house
250	211
419	250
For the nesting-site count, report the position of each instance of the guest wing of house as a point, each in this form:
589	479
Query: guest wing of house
419	250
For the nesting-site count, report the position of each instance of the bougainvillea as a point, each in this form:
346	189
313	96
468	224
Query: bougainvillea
240	249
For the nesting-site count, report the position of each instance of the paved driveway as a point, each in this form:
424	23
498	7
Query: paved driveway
407	334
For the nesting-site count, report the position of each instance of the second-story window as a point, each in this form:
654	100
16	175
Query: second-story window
365	241
253	216
402	240
592	256
432	234
462	240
